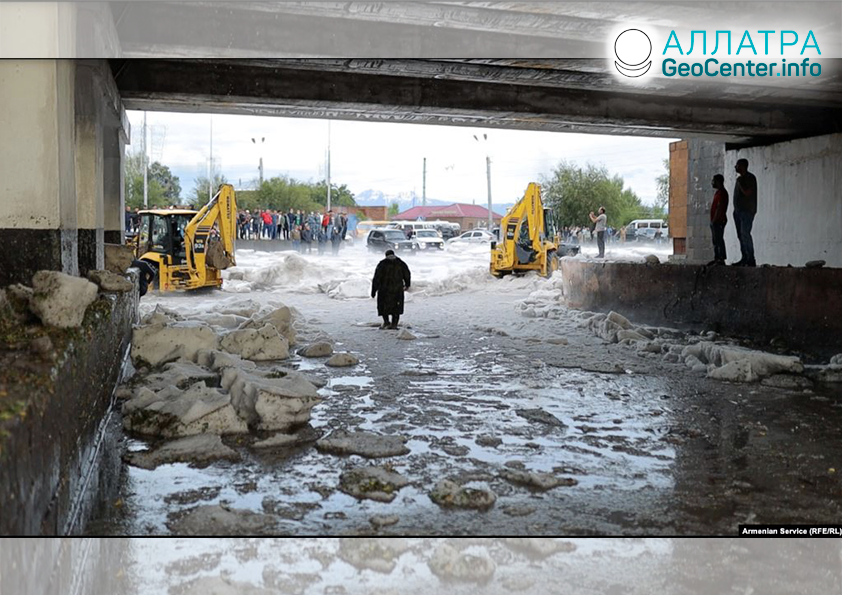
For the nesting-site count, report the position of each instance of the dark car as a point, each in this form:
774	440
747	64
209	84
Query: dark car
381	240
567	249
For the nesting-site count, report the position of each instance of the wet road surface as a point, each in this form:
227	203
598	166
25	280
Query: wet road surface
643	447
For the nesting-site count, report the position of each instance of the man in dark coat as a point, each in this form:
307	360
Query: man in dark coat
391	278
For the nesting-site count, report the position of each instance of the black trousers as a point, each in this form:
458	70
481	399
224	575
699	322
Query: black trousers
718	231
600	241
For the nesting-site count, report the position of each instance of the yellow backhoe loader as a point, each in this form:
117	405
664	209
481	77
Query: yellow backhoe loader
190	249
527	239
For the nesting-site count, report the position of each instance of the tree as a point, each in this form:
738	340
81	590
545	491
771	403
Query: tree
662	200
163	188
394	209
200	189
575	191
169	183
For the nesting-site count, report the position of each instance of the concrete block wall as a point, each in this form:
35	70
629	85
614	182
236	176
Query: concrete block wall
799	207
705	158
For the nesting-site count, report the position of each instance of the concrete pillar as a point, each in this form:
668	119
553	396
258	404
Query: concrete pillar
89	169
37	168
704	159
38	29
116	138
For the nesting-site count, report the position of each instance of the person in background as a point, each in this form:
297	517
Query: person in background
745	209
322	235
296	239
307	238
600	223
718	219
336	239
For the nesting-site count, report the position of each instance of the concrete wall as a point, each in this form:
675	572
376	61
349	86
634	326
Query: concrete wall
798	306
57	462
799	212
704	159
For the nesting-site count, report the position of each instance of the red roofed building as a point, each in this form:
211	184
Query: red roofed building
467	216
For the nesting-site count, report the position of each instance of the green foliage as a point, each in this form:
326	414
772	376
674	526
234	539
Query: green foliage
283	193
163	188
200	189
573	192
394	209
662	200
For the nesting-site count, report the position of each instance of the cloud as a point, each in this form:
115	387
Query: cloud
389	156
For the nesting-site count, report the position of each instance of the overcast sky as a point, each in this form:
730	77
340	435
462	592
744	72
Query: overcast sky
388	157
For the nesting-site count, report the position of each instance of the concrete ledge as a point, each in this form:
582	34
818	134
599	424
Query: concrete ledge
801	307
54	465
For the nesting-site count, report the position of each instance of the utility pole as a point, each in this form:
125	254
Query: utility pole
210	163
328	165
260	166
488	174
145	168
424	185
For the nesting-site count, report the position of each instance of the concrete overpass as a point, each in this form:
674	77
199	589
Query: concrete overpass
62	174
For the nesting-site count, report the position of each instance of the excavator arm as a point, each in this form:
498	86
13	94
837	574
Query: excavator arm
209	237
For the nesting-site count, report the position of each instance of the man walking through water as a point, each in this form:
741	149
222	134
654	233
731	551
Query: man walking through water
391	278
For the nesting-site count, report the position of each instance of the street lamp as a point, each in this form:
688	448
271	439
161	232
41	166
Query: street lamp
260	169
488	176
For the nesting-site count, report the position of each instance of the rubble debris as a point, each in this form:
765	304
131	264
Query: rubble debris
536	480
449	494
364	444
789	381
489	441
181	374
110	282
815	264
281	318
159	343
738	364
515	510
43	346
219	360
320	349
540	416
342	360
199	450
282	440
220	519
379	521
539	547
831	374
449	564
118	258
270	401
836	360
172	413
651	259
372	553
60	300
264	344
373	483
405	335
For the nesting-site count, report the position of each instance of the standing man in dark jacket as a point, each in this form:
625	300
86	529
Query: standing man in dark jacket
391	279
745	208
718	219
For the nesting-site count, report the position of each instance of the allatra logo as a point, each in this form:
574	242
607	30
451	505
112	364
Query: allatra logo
632	48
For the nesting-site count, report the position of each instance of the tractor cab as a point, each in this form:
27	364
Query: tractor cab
162	233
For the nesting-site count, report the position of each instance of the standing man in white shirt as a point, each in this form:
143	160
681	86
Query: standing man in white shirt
601	223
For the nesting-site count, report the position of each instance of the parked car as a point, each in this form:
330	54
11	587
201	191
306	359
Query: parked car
429	239
382	239
647	230
476	236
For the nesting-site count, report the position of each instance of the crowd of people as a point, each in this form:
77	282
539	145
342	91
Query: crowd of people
302	229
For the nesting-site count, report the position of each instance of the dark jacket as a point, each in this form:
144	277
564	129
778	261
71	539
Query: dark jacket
391	278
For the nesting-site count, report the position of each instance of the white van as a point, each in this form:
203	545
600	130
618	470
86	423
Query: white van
414	226
647	230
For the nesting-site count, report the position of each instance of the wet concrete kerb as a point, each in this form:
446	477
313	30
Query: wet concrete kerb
55	467
799	307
